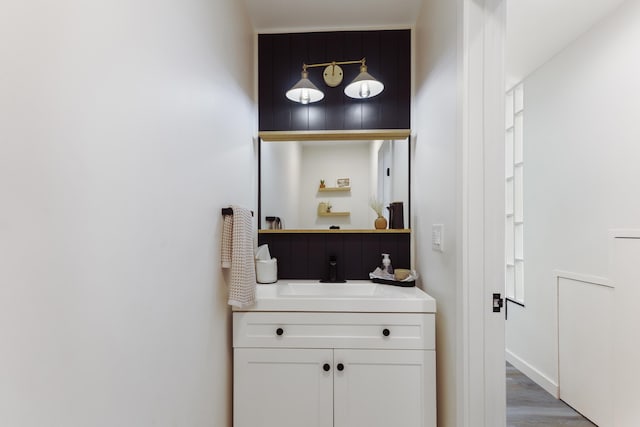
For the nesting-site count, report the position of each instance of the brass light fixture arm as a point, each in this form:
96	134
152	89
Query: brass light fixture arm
326	64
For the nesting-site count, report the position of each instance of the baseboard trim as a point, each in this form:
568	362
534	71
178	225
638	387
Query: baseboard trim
536	376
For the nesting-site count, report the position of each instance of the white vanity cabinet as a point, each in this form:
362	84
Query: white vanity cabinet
326	369
284	387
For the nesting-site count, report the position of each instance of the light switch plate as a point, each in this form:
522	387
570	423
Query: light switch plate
437	237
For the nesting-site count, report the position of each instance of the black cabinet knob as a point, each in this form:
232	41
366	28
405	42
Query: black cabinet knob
326	367
386	332
340	367
279	331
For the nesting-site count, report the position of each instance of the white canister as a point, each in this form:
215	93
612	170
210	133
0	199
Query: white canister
267	270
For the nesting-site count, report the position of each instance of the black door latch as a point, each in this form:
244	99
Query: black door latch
498	303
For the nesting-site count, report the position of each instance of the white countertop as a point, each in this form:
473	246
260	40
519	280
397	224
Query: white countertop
353	296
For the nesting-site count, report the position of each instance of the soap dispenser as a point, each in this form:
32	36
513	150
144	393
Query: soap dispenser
386	264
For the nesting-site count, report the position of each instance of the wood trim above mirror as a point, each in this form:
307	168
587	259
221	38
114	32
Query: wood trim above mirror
334	135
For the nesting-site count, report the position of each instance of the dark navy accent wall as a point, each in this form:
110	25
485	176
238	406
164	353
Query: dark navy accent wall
306	255
280	59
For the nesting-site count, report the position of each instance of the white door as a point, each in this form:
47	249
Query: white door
283	387
481	400
383	388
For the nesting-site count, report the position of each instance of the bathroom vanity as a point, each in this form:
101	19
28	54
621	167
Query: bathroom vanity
345	355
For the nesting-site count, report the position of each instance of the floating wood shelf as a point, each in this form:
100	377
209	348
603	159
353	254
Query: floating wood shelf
334	213
334	135
329	189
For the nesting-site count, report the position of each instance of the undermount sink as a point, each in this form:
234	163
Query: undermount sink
353	296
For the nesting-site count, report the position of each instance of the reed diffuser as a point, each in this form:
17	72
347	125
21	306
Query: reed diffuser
381	222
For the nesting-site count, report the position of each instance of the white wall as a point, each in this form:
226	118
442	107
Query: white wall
399	190
625	248
373	179
281	164
435	183
581	179
341	161
126	126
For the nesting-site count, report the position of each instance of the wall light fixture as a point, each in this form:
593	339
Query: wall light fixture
362	87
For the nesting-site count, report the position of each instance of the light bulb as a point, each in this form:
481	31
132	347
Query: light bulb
304	96
364	90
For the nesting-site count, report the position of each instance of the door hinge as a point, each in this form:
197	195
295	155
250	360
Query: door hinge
498	303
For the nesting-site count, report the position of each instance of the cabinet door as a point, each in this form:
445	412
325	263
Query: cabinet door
283	387
383	388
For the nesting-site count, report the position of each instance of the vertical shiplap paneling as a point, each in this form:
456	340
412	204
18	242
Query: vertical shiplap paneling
353	253
300	267
282	47
402	80
388	56
306	255
316	255
265	83
335	97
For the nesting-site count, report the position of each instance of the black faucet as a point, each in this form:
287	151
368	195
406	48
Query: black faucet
332	271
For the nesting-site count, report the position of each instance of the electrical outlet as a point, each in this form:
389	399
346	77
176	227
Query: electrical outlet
437	237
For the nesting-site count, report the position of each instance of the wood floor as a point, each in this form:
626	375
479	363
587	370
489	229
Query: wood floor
529	405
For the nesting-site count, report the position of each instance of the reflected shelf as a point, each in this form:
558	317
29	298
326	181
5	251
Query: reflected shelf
332	189
334	213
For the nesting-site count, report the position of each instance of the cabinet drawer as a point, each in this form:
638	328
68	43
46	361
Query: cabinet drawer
334	330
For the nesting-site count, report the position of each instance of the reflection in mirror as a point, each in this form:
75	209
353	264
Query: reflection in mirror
353	172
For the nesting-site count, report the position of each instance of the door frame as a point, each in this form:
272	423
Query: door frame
481	387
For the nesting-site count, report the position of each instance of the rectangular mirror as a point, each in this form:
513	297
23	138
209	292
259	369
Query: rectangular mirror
316	184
